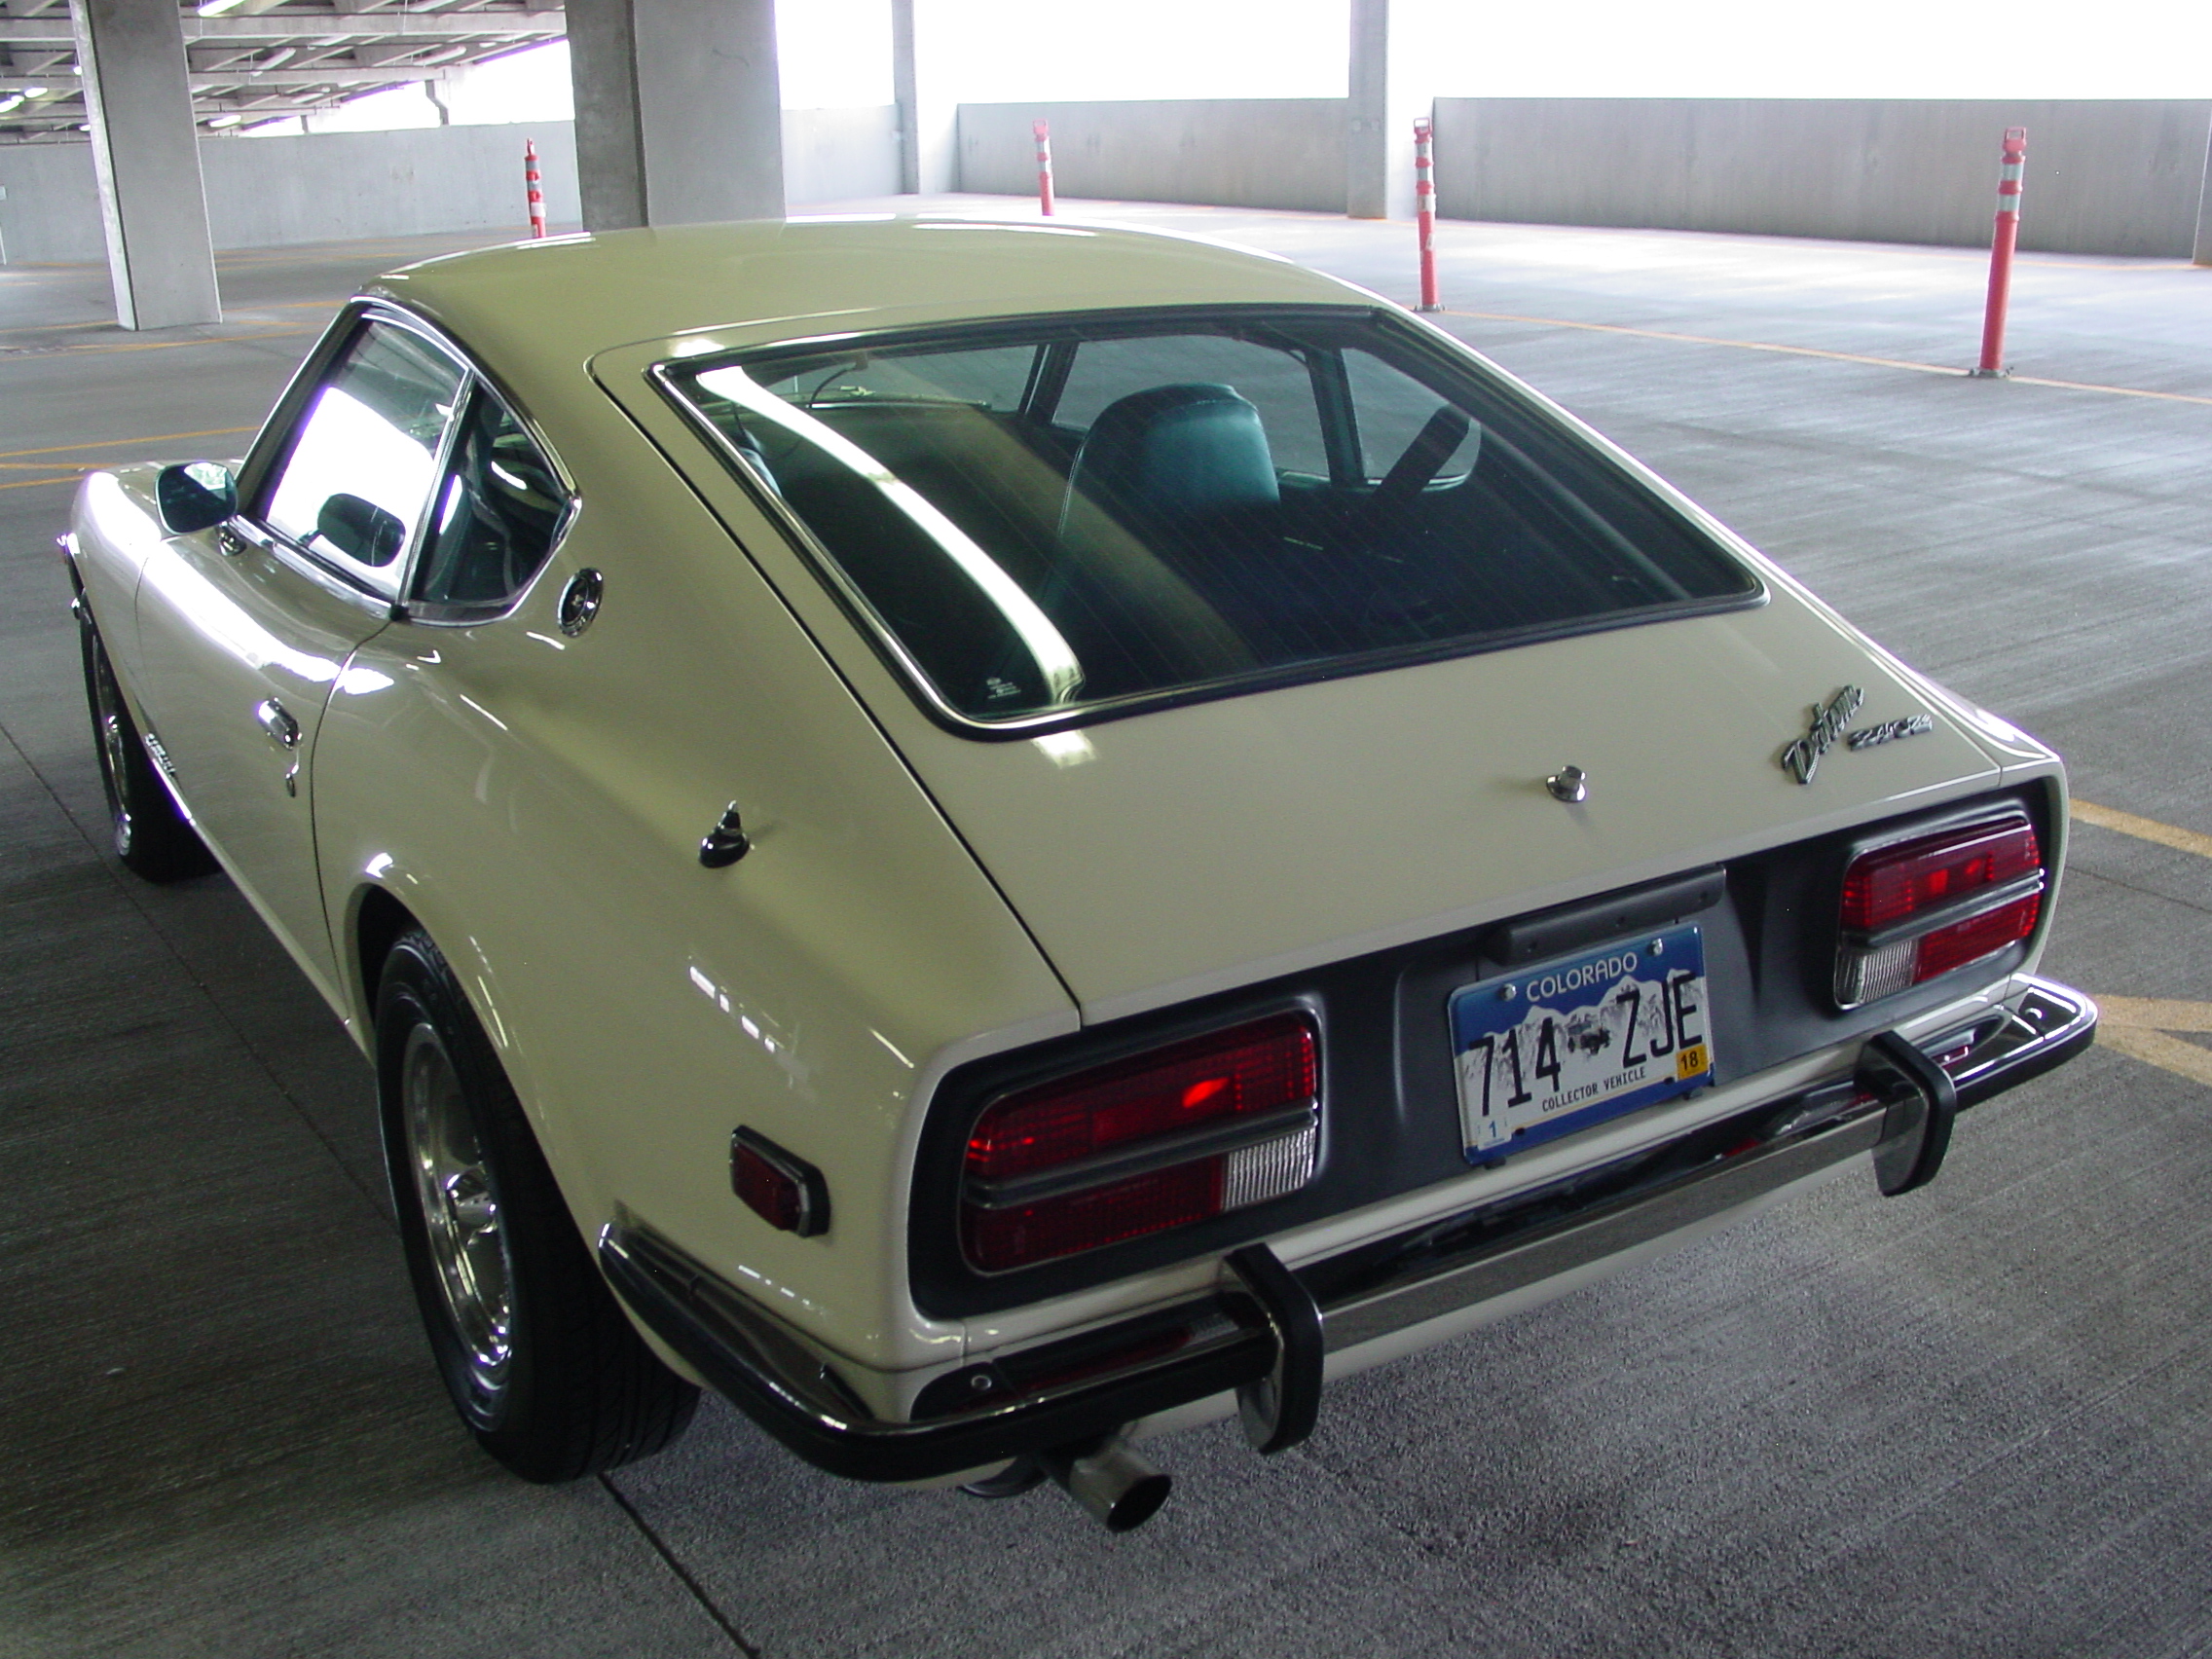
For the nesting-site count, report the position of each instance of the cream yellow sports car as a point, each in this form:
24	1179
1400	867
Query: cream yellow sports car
996	838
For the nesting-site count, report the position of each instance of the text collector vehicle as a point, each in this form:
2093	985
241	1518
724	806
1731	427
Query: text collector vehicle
996	838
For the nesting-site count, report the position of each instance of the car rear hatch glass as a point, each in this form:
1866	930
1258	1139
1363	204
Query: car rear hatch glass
1053	516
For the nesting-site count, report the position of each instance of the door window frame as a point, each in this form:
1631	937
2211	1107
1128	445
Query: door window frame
274	443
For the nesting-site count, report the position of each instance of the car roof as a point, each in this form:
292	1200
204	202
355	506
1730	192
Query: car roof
756	282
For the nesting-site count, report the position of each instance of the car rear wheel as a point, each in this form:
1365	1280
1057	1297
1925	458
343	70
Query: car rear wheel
541	1363
146	830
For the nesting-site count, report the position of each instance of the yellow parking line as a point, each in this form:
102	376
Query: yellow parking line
34	483
1815	352
2144	829
2153	1013
2155	1047
118	443
2142	1028
178	344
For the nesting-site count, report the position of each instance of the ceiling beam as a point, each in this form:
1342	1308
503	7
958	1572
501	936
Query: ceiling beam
285	77
51	32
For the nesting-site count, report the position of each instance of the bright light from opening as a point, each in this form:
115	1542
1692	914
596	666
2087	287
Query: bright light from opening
1012	51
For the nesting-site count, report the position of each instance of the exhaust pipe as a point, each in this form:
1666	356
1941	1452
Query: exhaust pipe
1110	1480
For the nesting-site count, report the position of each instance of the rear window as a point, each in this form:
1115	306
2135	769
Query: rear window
1070	514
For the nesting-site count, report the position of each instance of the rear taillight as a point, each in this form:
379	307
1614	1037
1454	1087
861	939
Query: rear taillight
1185	1132
1917	908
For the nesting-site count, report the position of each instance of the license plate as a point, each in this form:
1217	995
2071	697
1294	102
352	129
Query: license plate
1558	1046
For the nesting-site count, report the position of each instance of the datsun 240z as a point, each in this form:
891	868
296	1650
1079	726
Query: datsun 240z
996	838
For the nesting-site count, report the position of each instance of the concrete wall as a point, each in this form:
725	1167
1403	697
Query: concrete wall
52	213
833	154
1228	152
348	186
2103	177
2110	177
323	187
353	186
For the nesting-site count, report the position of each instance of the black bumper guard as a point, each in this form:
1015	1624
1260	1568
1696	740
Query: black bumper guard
1266	1330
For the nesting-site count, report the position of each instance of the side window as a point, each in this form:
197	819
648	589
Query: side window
496	513
1273	382
355	481
1392	409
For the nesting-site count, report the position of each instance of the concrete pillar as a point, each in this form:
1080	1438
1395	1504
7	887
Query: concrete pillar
146	153
929	120
1391	81
678	111
2203	254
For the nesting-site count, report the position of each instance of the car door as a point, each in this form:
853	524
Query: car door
245	628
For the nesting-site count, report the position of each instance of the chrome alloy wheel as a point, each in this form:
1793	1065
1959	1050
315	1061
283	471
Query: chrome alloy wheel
114	736
460	1213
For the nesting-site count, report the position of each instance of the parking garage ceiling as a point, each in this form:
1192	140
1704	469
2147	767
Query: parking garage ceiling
261	59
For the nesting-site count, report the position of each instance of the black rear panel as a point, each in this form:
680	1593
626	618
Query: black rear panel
1390	1102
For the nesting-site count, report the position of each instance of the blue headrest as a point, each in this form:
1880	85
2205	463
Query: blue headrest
1176	450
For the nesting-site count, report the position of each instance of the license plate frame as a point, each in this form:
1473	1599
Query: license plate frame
1561	1046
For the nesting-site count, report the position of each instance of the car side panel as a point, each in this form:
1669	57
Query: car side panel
116	530
236	645
537	800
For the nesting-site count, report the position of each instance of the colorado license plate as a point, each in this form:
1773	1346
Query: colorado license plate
1560	1046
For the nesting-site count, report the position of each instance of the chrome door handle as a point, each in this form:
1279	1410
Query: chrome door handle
283	729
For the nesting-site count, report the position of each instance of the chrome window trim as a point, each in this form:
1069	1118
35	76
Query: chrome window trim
302	562
1421	339
436	616
399	604
368	578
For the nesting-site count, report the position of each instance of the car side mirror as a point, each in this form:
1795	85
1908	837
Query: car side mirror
360	530
194	496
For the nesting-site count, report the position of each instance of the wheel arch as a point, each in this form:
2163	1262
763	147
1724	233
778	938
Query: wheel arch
377	923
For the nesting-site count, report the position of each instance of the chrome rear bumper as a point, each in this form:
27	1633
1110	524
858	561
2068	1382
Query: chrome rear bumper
1266	1330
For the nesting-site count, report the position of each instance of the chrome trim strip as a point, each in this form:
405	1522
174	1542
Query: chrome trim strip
1233	1136
791	1387
2041	1025
366	308
301	563
1455	356
1389	1298
1924	922
983	1410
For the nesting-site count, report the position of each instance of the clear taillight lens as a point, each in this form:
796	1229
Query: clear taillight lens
1189	1131
1925	907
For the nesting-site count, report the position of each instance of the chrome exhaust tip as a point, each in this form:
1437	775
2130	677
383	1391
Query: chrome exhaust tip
1110	1480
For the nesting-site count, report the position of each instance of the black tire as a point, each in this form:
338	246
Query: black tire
146	830
541	1363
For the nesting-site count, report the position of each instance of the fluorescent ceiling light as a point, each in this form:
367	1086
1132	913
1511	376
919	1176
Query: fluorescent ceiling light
9	105
225	120
216	8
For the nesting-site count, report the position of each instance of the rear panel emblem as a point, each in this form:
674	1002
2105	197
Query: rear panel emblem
1802	758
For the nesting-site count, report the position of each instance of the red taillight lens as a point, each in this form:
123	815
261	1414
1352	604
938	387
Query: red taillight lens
1143	1144
1977	936
1925	907
1894	883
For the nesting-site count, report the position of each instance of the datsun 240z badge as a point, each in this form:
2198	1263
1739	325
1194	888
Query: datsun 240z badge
1803	757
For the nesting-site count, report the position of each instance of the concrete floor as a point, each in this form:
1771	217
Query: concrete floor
1978	1420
